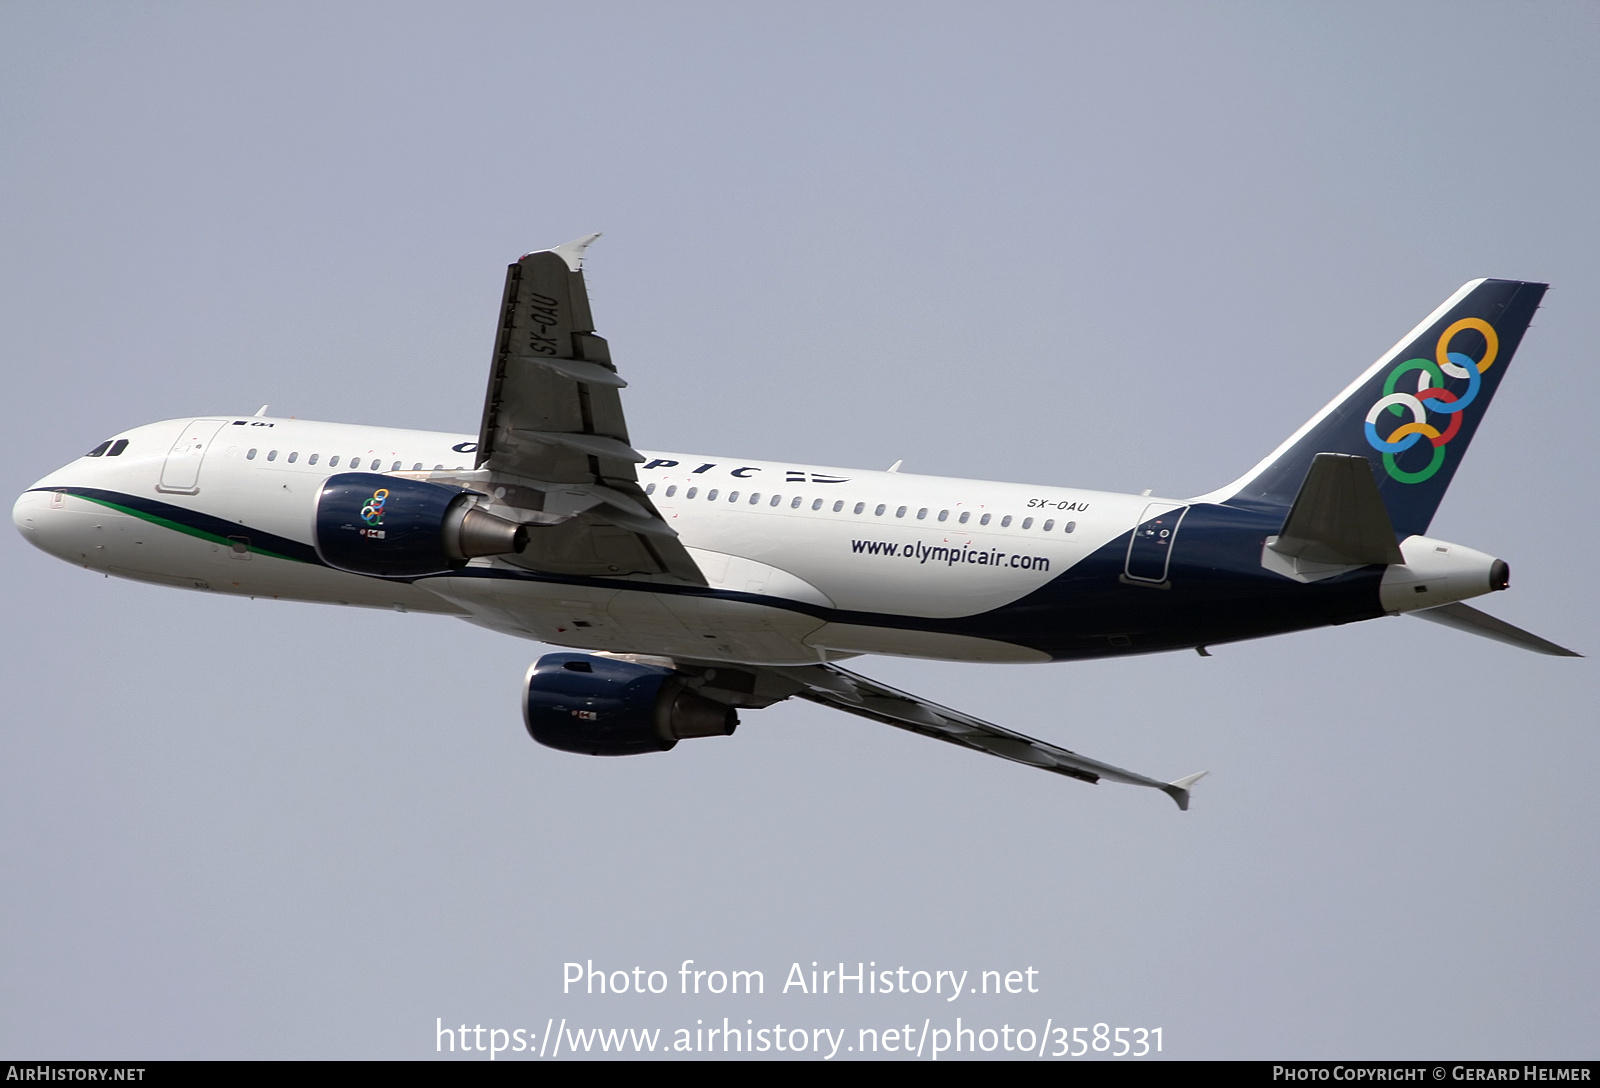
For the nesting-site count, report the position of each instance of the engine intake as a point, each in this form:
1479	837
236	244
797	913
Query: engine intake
601	706
392	527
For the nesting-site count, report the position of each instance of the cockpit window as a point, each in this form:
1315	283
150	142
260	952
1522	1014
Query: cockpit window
117	447
100	449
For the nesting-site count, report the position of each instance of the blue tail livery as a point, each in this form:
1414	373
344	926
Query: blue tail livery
1413	412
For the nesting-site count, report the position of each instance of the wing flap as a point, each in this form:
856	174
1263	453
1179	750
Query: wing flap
593	445
576	369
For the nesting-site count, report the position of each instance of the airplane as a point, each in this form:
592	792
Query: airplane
686	587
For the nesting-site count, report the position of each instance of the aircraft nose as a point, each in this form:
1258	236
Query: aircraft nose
29	511
38	517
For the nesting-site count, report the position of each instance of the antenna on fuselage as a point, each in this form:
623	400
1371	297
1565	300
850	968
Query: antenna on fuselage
260	411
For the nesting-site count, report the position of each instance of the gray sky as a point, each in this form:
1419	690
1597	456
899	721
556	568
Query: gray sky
1109	246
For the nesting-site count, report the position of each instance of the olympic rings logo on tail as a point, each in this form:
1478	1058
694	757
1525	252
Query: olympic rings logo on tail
372	512
1431	396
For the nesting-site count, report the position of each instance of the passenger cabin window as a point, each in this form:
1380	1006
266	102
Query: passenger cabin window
776	499
272	455
250	455
944	514
733	496
355	463
1048	525
711	496
755	498
1069	526
922	513
395	467
879	511
838	506
900	512
816	504
293	457
1005	522
981	521
100	450
689	494
417	467
650	489
795	505
860	506
1027	523
672	489
313	458
965	514
333	462
117	447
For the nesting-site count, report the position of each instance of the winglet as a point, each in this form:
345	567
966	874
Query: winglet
572	252
1179	790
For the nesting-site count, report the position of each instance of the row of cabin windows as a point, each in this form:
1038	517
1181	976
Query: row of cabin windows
109	448
376	464
860	508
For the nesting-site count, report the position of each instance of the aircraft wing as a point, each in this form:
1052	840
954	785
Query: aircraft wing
855	694
554	443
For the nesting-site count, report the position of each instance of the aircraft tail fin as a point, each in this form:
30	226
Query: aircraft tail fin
1413	412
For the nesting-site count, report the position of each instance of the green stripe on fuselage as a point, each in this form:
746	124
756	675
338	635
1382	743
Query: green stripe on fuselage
187	530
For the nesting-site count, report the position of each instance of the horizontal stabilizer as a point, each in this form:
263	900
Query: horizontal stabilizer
1465	618
1339	516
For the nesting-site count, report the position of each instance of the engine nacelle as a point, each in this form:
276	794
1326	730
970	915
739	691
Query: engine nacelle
398	528
601	706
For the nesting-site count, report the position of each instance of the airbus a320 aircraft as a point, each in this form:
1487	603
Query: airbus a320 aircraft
690	587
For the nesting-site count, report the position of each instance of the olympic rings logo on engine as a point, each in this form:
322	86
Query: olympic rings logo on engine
372	512
1431	397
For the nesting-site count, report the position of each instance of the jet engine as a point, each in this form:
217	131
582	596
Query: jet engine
398	528
602	706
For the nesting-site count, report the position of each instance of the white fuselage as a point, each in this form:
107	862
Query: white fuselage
803	563
839	539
